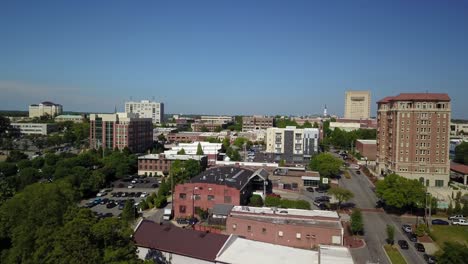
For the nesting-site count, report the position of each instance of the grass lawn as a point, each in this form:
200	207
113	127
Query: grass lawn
442	233
394	255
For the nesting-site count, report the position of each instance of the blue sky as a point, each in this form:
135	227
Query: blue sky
230	57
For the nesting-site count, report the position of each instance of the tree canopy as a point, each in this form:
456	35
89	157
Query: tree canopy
401	192
326	164
199	149
461	153
453	253
341	194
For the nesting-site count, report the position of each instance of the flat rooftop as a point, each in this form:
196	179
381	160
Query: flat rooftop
229	175
286	212
335	254
171	157
241	250
368	141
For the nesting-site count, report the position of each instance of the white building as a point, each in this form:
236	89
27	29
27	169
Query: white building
209	149
44	109
71	118
34	128
147	109
345	126
221	120
291	141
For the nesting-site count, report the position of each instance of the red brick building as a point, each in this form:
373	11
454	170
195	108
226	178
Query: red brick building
184	137
288	227
121	130
367	148
220	185
413	137
160	164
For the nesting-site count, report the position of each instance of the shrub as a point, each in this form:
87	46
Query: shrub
357	226
272	201
256	201
160	202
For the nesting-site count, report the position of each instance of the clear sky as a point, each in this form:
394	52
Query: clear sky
230	57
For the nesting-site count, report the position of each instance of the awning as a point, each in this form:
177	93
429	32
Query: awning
313	178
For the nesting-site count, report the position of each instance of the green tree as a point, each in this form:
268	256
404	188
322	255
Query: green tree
341	194
256	200
27	176
37	162
316	125
15	156
164	188
7	169
181	151
326	164
282	163
22	164
421	230
4	125
218	129
307	124
450	209
465	207
400	192
128	212
457	209
357	225
390	234
204	129
453	253
160	202
461	153
272	201
199	149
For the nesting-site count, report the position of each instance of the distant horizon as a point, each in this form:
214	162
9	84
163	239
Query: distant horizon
265	57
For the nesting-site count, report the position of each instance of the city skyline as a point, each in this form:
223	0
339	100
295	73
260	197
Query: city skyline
242	58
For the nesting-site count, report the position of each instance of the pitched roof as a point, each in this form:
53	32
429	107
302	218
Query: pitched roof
222	209
186	242
416	97
458	167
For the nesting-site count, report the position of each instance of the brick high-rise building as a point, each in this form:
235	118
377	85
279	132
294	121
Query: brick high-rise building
120	130
413	137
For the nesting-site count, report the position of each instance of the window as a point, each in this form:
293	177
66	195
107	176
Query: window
298	235
234	226
249	229
280	233
227	199
439	183
183	196
182	209
196	197
263	230
210	197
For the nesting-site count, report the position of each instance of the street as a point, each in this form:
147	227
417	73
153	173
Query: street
375	223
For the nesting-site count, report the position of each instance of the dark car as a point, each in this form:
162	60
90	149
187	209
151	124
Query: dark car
154	185
110	205
310	189
104	201
106	215
429	259
419	247
412	237
380	204
320	190
403	244
182	221
358	172
439	222
322	199
121	206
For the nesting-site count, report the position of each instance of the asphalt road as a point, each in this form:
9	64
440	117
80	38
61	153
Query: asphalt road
375	224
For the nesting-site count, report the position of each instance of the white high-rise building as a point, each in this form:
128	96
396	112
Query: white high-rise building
45	109
147	109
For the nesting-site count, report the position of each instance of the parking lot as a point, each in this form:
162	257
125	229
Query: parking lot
111	202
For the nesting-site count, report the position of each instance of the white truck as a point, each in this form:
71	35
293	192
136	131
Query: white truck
461	222
167	214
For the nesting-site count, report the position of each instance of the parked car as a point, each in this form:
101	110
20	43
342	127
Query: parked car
380	204
101	194
439	222
144	194
429	259
323	198
419	247
403	244
154	185
453	217
130	186
110	205
358	172
121	206
407	228
461	222
317	203
310	189
104	201
412	237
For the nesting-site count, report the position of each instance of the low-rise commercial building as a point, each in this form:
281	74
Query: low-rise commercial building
251	123
121	130
367	149
204	127
160	164
45	109
184	137
294	178
167	243
458	129
220	120
288	227
211	150
34	128
220	185
70	118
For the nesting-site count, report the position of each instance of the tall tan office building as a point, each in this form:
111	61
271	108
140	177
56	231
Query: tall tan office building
413	137
357	105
